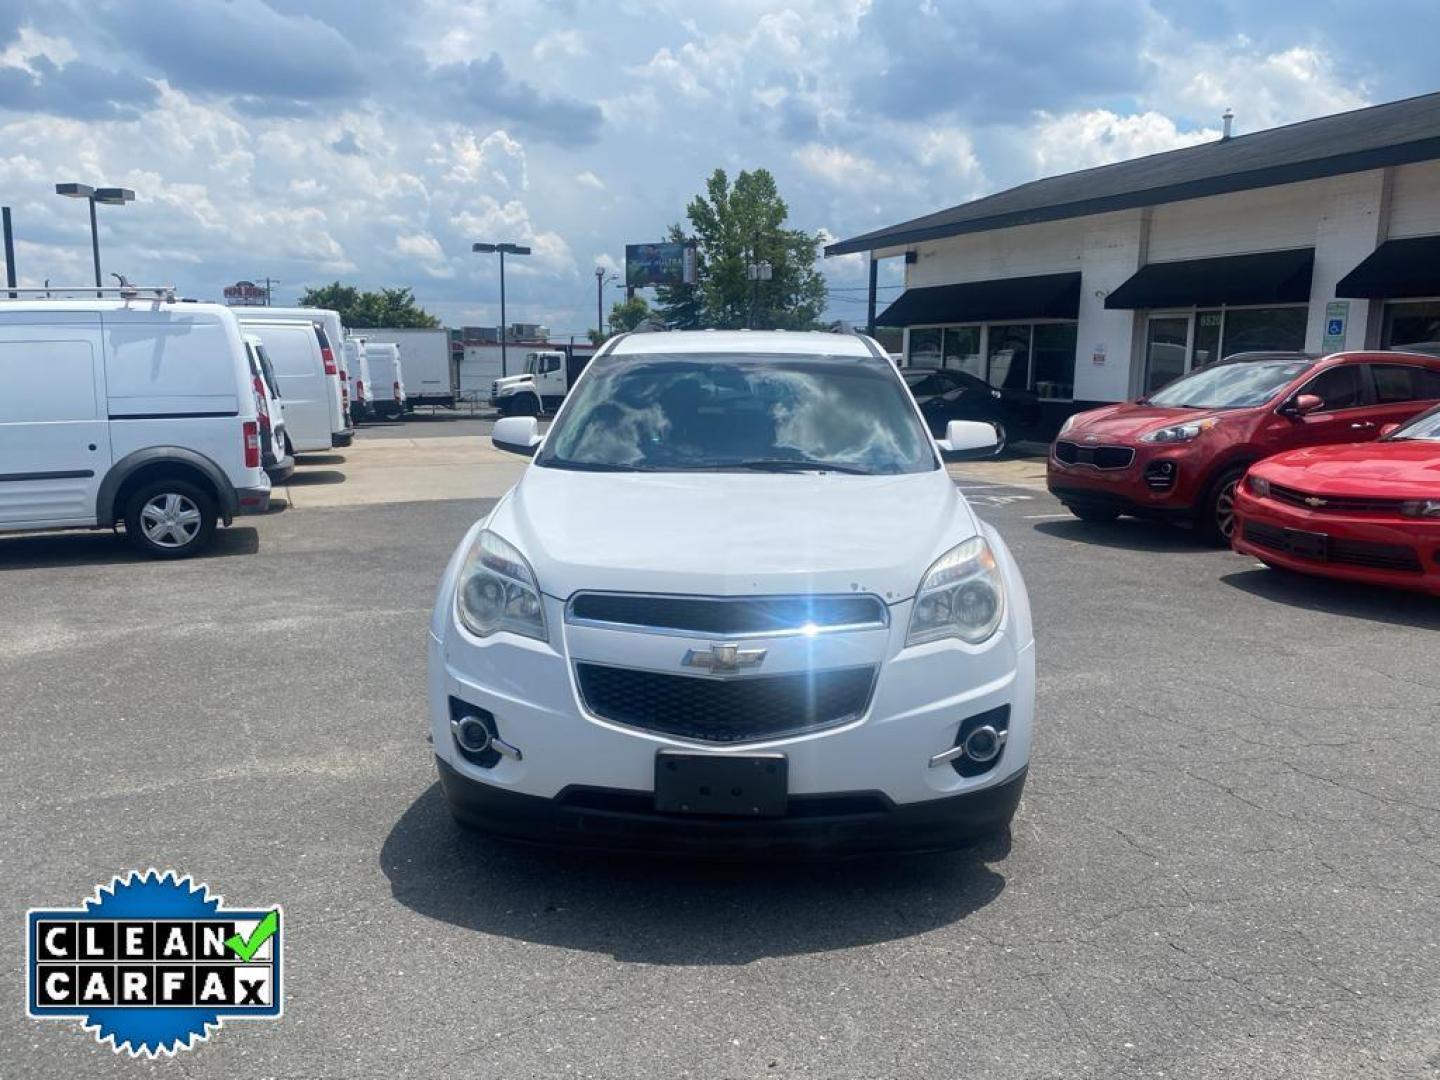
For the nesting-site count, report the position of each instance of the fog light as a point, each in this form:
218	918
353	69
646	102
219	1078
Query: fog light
471	734
984	744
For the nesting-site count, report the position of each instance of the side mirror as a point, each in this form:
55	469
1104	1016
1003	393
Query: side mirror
517	435
1388	429
1302	405
966	440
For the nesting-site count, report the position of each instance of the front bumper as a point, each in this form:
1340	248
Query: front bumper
1421	537
1126	490
854	823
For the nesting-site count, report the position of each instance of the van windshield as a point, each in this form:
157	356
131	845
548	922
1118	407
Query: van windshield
1229	386
714	412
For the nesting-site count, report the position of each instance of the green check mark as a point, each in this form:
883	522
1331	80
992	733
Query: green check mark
244	948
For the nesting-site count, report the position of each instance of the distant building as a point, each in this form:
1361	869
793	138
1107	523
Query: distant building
1101	285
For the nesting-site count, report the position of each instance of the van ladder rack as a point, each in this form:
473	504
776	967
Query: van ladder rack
124	292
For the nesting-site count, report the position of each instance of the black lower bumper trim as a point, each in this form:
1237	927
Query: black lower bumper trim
281	470
1104	500
342	438
850	823
252	500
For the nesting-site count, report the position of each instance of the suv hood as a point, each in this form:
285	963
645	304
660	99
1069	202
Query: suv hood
1130	421
732	534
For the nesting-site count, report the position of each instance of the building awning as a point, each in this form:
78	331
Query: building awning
1396	268
1268	277
1045	296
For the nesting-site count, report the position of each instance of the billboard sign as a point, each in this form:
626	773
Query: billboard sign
659	264
245	293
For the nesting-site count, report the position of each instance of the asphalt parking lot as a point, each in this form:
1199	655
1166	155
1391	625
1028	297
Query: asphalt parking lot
1226	862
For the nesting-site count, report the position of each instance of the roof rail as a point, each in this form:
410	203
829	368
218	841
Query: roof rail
124	292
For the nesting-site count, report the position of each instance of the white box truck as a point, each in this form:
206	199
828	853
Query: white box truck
430	375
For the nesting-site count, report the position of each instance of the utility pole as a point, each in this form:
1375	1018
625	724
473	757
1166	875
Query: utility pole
870	317
9	250
602	278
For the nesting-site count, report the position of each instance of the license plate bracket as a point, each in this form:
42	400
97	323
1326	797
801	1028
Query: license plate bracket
1311	545
733	785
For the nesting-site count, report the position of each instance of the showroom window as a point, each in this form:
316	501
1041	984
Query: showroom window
1038	356
1411	323
1178	342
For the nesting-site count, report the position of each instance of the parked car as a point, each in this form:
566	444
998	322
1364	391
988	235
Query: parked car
1367	512
309	380
134	411
1180	453
277	462
357	369
945	394
388	398
733	653
336	390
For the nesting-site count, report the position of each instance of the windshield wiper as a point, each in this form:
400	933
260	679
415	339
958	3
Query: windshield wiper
787	465
595	466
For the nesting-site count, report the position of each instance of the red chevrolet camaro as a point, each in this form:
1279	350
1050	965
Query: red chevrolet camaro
1366	512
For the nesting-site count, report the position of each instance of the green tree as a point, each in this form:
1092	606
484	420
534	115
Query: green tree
625	315
735	226
387	307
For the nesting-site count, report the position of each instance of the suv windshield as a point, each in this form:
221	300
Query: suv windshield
1424	426
1229	386
719	412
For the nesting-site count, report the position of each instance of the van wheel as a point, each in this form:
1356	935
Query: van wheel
170	519
1217	521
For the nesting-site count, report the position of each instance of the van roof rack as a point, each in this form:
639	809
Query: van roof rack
124	291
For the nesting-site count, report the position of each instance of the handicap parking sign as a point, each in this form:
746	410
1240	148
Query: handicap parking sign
1335	327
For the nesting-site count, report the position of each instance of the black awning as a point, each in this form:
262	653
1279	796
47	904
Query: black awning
1046	296
1396	268
1268	277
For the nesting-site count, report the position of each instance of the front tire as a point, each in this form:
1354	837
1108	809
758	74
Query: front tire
1097	514
1217	520
170	519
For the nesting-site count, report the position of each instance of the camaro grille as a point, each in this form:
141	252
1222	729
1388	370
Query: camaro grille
728	616
1333	504
1102	457
745	709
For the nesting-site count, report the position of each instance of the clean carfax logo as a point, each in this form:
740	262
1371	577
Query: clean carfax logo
152	963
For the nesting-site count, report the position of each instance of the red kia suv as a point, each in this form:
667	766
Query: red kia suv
1368	512
1180	453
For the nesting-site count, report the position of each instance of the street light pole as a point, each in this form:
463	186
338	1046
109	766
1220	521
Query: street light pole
601	280
502	250
110	196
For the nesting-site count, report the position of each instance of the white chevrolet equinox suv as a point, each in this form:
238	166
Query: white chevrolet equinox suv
735	604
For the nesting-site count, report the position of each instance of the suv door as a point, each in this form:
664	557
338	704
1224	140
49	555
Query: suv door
1401	390
54	426
1343	417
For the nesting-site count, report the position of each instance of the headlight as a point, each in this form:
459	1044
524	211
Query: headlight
962	595
1179	432
497	591
1426	508
1068	424
1258	485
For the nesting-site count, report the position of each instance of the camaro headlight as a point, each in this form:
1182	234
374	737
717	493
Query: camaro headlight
1258	485
962	595
1179	432
497	590
1422	508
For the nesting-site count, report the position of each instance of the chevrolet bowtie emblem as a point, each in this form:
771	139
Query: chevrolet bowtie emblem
723	659
1315	500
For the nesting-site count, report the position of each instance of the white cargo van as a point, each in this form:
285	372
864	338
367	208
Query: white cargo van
431	376
296	353
389	379
333	334
133	410
357	371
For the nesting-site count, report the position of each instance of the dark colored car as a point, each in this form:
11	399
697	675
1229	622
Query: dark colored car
944	394
1367	512
1180	453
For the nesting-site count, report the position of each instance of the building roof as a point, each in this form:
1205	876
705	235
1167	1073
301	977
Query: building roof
1392	134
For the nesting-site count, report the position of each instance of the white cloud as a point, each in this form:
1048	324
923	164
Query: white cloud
562	44
1098	137
590	180
839	167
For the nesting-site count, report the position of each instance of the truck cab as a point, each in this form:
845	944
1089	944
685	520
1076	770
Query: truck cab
541	387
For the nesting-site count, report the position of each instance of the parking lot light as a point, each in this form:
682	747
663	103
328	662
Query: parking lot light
502	250
110	196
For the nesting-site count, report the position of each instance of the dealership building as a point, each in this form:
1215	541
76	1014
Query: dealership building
1100	285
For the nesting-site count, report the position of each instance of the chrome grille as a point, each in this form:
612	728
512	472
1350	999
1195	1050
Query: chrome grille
1333	504
729	617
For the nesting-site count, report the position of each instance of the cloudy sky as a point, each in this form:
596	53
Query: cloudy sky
319	139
